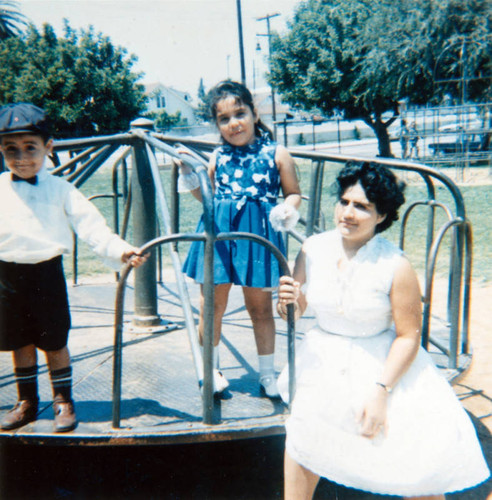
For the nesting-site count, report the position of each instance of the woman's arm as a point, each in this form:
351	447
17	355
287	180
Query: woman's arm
406	307
289	291
407	314
288	176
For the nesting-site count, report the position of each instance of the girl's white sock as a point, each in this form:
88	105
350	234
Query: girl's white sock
266	364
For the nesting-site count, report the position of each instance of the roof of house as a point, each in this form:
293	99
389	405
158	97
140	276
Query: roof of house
155	87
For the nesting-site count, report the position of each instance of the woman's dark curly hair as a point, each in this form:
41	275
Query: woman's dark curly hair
229	88
380	186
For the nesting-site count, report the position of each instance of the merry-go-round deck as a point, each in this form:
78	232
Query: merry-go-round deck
161	401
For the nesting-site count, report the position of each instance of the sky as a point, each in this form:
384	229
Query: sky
177	42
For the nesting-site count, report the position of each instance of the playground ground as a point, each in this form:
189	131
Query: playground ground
245	470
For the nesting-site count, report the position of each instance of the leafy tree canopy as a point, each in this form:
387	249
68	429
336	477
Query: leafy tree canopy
164	121
361	57
82	80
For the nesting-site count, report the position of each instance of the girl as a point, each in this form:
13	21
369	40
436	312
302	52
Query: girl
246	172
371	411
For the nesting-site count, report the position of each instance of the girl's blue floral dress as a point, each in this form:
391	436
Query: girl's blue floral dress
247	183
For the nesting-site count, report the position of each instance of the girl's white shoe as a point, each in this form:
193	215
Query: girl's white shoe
220	382
268	386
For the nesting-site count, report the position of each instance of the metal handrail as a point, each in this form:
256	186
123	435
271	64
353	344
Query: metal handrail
210	237
460	259
208	417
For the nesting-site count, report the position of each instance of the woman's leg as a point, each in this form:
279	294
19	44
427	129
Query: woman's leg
299	482
220	306
259	306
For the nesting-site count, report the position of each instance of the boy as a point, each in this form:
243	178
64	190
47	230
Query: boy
38	213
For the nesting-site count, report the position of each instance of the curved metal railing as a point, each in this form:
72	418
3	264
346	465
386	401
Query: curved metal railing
146	184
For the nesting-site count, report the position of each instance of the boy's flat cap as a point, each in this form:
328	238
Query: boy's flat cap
23	118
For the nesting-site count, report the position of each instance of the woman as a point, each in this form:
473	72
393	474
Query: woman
371	411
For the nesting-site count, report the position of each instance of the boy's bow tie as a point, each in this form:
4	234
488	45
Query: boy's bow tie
32	180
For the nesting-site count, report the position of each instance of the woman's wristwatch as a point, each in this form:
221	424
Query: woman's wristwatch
387	388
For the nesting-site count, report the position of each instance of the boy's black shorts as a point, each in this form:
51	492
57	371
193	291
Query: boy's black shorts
33	305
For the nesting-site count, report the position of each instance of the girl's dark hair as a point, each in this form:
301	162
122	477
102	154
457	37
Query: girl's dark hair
229	88
380	186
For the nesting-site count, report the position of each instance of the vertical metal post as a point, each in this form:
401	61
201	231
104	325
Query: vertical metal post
269	35
208	304
241	47
274	109
174	201
144	230
314	195
455	294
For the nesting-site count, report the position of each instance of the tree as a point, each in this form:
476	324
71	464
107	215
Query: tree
82	80
164	121
11	20
362	57
203	109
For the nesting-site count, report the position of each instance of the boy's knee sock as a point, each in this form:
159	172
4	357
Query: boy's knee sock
266	364
27	382
61	382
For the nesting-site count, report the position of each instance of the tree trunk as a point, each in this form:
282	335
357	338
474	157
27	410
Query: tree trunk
381	130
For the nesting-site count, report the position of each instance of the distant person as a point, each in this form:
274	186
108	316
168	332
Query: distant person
38	212
413	141
247	172
404	139
370	411
462	140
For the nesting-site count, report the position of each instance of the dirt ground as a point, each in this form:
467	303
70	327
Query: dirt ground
475	387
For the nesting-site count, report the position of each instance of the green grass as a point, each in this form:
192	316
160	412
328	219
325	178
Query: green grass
477	202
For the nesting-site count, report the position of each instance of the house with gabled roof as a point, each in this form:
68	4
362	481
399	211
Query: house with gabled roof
164	98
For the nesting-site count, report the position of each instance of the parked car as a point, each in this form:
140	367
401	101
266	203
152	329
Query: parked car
455	139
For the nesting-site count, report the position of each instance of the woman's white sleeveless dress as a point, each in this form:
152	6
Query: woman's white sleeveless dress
430	446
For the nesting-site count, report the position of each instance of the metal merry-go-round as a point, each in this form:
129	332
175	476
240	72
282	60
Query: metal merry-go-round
138	370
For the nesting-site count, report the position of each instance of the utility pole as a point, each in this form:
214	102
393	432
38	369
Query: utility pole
241	47
268	35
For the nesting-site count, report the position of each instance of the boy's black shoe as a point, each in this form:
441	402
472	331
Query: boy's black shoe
22	413
65	419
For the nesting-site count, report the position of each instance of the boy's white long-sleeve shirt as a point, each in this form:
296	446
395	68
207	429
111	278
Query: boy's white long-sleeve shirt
36	222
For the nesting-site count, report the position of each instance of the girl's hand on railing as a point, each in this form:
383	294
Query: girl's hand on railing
187	179
284	217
